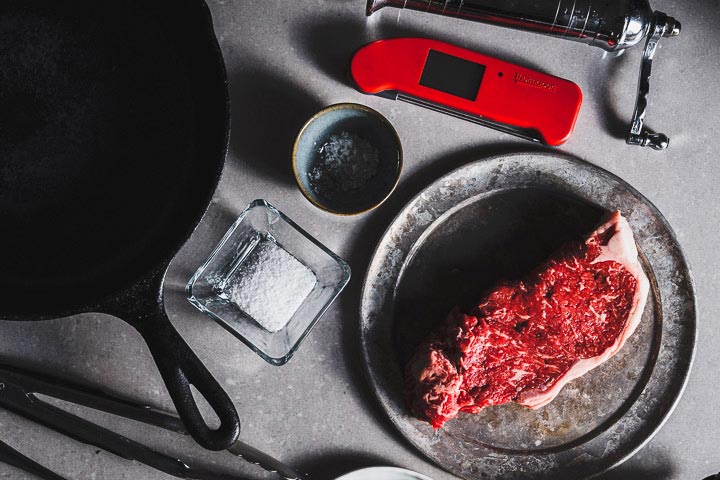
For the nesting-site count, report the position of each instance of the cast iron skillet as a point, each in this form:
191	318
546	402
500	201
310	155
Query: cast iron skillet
114	120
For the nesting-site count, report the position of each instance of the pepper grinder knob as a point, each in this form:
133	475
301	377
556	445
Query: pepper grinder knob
656	141
673	28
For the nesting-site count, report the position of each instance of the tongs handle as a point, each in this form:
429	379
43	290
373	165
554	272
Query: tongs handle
36	383
18	389
18	396
266	462
12	457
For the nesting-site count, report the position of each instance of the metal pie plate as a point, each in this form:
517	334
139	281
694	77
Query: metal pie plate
496	219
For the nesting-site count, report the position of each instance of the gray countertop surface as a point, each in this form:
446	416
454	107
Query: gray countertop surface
288	59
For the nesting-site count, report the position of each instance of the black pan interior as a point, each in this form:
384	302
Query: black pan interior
113	129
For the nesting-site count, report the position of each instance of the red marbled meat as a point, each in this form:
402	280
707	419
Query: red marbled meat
526	339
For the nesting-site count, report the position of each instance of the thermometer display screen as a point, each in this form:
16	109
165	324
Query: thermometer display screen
452	75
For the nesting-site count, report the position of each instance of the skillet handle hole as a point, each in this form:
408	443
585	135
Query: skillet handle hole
208	414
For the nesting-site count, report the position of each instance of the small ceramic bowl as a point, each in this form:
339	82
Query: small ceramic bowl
383	473
347	159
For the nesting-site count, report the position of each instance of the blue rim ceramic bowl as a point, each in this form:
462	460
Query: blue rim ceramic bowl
366	124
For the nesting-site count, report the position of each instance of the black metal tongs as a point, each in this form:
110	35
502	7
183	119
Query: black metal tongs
18	393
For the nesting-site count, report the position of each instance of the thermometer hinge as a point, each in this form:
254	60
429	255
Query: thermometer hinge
660	26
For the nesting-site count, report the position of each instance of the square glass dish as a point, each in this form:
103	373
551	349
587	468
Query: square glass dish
268	282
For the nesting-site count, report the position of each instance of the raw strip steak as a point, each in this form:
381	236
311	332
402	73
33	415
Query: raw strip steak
526	339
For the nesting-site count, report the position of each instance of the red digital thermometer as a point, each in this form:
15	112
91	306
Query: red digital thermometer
469	85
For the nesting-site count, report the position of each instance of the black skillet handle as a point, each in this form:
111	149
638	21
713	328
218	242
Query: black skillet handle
142	307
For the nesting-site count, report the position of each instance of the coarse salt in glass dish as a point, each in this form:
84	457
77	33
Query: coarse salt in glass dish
268	282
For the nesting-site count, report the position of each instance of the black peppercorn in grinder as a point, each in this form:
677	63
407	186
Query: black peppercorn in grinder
612	25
